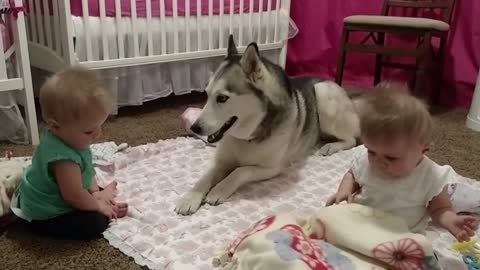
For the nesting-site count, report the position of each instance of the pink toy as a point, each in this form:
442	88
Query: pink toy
189	116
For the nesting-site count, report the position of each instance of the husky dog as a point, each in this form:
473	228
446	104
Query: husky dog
263	120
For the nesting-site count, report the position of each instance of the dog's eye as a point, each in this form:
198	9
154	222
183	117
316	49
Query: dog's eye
222	99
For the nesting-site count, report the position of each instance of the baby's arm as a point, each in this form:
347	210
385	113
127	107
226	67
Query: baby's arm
441	211
348	187
94	186
107	194
69	180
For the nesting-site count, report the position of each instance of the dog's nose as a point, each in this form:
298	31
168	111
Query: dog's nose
196	128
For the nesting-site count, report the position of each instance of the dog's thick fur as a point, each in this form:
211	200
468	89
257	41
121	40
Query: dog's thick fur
267	120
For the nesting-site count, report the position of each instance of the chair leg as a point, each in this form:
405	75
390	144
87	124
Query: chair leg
439	70
422	61
341	57
379	60
419	75
414	77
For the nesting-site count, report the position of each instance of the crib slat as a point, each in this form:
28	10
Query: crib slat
175	26
259	30
220	25
27	29
199	29
86	29
149	28
277	10
187	25
162	26
56	26
48	27
250	20
67	32
210	24
3	66
231	18
41	36
240	25
118	20
103	25
33	25
269	9
133	8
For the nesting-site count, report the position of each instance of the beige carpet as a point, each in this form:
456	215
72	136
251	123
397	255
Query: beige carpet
454	144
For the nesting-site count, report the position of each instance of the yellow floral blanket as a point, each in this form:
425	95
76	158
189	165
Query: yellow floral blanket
339	237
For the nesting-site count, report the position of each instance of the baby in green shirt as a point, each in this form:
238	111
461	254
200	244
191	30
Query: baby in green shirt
59	195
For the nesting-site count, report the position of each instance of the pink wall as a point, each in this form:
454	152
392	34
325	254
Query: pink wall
314	50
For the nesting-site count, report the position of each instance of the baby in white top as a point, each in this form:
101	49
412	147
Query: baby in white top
392	173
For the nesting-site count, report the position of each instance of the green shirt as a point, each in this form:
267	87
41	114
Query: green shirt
39	194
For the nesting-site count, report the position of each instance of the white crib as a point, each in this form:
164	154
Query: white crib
15	77
163	40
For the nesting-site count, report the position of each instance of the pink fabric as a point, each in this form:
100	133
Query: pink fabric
5	26
314	50
76	7
7	41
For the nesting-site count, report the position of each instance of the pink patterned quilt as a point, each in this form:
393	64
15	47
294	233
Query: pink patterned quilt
152	177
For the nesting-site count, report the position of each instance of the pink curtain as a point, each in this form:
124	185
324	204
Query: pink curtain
314	50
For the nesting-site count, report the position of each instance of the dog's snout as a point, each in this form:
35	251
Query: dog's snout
196	128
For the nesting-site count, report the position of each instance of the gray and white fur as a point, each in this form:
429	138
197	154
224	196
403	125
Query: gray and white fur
263	121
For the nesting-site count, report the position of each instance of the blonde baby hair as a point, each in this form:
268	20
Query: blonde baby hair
69	94
390	111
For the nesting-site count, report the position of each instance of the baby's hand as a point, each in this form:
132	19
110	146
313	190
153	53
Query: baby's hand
463	227
121	209
107	209
108	193
340	196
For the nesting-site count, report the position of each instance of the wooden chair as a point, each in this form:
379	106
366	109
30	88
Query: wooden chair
377	26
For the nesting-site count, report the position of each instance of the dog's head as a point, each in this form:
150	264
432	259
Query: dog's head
239	92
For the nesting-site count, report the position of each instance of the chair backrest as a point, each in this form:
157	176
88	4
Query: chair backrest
445	6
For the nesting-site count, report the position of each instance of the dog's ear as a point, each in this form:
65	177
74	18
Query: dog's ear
232	48
250	61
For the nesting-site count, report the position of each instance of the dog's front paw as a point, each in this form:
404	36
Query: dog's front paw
189	203
329	149
218	195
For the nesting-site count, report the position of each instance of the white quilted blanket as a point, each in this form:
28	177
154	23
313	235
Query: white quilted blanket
152	177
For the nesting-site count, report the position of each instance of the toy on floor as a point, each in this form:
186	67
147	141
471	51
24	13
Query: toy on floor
471	253
188	117
103	154
8	154
11	171
464	198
